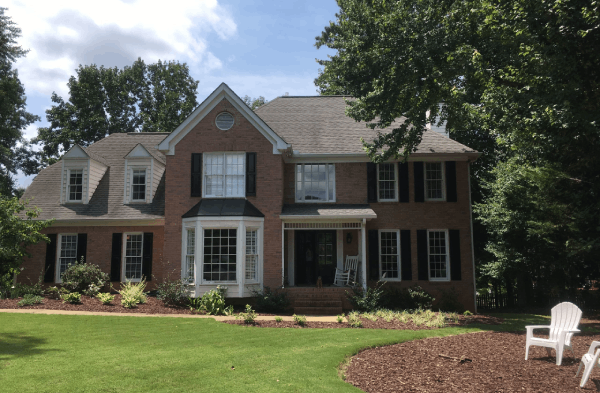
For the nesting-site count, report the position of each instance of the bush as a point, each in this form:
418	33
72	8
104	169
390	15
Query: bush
366	301
467	313
249	316
354	320
55	292
340	318
421	298
84	278
300	319
271	301
133	294
173	292
29	300
105	298
406	298
278	319
213	301
21	290
71	297
449	301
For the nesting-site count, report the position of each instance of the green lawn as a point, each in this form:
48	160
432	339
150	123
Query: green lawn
59	353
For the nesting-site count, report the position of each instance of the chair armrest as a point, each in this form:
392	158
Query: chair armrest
531	327
594	345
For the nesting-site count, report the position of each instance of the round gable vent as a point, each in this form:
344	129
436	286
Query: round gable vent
225	121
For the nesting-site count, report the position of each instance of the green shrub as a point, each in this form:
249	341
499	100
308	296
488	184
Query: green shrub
421	298
29	300
195	304
340	318
412	298
84	278
173	292
20	290
55	292
271	301
105	298
71	297
133	294
449	302
278	319
354	320
249	316
366	301
300	319
212	302
229	310
467	313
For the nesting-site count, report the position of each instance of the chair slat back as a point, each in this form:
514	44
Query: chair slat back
351	262
565	316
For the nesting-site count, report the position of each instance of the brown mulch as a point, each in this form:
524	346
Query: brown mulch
491	362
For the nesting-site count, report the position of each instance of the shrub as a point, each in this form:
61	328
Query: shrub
249	316
173	292
421	298
55	292
133	294
340	318
84	278
71	297
354	320
300	319
20	290
406	298
271	301
449	301
467	313
213	301
278	319
195	304
105	298
366	301
29	300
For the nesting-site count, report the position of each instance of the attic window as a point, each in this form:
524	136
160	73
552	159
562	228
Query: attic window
225	121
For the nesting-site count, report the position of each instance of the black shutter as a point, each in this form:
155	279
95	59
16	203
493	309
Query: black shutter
50	259
419	182
451	181
373	254
250	174
422	254
405	257
403	181
81	247
196	174
115	261
371	182
147	258
455	269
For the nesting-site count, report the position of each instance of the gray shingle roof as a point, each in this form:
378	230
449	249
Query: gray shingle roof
319	125
323	210
107	201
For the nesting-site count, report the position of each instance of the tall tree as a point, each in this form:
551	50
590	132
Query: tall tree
14	152
254	103
102	101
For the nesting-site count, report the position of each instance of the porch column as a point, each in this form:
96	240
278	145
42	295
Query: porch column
363	239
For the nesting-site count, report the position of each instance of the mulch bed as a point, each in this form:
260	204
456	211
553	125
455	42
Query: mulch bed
496	364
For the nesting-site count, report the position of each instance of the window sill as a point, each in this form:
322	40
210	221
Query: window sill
439	280
435	200
332	202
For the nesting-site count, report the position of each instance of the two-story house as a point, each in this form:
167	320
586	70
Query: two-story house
246	199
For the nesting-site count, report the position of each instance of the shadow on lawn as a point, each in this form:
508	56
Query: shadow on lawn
14	346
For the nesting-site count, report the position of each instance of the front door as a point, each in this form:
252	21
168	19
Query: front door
315	257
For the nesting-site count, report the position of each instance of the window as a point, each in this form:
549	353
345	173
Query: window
389	255
437	251
434	181
133	256
386	182
252	254
75	186
224	175
220	252
67	254
225	121
315	183
190	255
138	185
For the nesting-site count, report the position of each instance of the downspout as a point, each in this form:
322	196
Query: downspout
472	244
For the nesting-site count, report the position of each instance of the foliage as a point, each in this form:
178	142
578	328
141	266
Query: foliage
354	320
71	297
55	292
29	300
278	319
254	103
300	320
173	292
22	289
105	298
449	301
340	319
212	302
271	301
421	298
84	278
467	313
195	304
15	152
366	301
102	101
19	230
133	294
249	316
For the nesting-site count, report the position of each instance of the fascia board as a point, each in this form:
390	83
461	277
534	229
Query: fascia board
288	218
103	222
299	158
73	150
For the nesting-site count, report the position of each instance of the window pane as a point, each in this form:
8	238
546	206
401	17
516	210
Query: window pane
190	257
315	182
389	254
75	184
251	255
387	181
220	259
433	180
225	175
438	266
68	252
133	257
138	185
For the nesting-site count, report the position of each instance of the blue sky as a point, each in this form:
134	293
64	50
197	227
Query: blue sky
259	48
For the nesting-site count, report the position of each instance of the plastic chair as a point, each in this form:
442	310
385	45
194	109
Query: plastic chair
589	360
348	274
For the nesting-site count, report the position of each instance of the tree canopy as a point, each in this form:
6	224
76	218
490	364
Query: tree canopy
254	103
102	101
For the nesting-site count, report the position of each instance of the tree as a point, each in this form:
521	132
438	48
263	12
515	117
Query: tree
103	101
14	150
254	103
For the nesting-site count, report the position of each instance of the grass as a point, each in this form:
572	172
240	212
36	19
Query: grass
50	353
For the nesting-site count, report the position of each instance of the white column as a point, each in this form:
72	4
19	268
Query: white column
363	238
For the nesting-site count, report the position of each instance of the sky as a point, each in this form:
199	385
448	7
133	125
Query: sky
259	48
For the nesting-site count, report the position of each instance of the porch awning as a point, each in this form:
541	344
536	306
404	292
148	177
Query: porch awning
223	207
322	211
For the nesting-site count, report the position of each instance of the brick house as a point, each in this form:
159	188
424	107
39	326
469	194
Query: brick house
276	197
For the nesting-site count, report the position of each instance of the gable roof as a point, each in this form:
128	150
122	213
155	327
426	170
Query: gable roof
167	146
319	125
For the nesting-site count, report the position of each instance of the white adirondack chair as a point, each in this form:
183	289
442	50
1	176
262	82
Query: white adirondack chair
348	274
589	360
564	322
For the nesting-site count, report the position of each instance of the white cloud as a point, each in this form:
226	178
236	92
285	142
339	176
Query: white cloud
62	34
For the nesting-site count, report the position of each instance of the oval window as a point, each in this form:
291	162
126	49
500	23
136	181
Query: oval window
225	121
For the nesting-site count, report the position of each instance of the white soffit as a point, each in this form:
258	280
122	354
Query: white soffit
167	146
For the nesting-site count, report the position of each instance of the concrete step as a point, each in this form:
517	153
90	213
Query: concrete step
318	310
317	303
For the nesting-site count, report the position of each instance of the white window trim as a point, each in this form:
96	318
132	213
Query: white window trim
447	278
184	268
304	188
124	260
396	191
443	198
258	250
133	169
204	156
58	279
397	232
68	189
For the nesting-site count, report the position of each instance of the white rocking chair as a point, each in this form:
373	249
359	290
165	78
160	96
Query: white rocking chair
564	322
589	360
348	274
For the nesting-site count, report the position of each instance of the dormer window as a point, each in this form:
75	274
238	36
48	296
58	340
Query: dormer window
75	187
143	172
138	185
